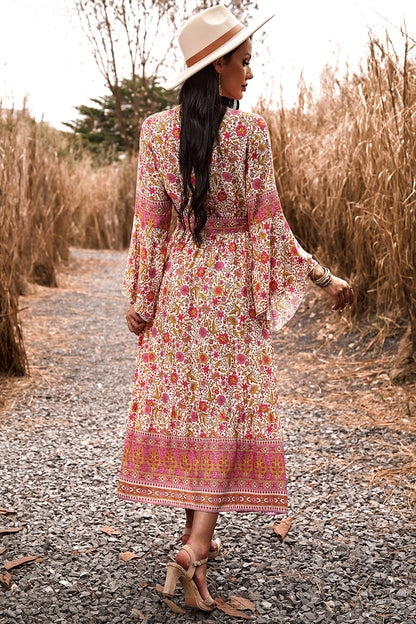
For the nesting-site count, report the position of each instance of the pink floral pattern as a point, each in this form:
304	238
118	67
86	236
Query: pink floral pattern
204	428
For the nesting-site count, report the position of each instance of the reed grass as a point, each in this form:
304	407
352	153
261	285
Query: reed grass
345	166
103	204
52	196
34	216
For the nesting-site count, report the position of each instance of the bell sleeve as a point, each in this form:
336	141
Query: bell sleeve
149	239
279	265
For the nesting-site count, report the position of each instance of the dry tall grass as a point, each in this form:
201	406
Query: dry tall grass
51	197
34	219
346	171
103	204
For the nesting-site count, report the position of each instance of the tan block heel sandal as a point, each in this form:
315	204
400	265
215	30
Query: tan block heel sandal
176	572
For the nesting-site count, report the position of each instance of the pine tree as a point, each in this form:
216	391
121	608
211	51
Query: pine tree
99	127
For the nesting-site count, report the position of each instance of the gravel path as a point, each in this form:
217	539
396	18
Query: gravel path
349	555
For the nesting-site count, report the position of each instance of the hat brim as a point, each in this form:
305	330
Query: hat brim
233	43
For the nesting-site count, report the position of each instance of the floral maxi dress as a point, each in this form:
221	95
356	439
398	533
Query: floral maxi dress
204	429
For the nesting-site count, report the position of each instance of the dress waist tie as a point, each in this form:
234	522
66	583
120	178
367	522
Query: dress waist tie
222	225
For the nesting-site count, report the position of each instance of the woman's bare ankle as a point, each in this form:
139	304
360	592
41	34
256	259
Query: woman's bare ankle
200	552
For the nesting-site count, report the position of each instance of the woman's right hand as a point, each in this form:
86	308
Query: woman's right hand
341	293
134	322
338	289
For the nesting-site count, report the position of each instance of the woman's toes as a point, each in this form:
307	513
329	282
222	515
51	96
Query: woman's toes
215	545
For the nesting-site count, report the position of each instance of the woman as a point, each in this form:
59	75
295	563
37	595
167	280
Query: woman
204	430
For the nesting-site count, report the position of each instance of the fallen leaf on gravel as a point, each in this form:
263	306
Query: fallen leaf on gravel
3	550
109	530
159	588
6	512
139	613
128	556
6	580
17	562
4	529
143	584
172	606
89	550
229	610
242	603
282	528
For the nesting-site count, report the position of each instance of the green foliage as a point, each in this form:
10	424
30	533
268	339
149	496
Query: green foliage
99	127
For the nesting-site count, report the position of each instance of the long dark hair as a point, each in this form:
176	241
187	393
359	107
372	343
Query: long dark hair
201	114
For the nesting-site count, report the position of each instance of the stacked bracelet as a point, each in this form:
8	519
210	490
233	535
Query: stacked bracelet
324	280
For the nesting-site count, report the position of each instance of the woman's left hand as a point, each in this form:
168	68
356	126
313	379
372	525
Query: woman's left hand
134	322
341	292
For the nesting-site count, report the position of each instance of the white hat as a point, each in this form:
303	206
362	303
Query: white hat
208	36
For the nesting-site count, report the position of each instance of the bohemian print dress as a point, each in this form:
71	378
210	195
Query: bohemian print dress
204	430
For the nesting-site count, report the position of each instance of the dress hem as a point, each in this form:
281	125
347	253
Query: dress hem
223	509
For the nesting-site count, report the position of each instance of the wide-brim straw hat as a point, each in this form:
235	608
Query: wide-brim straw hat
208	36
